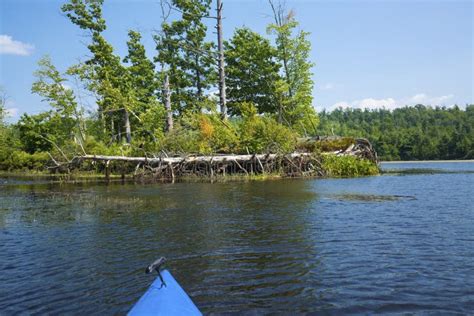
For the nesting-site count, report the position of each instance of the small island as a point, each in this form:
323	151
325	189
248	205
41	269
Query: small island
241	107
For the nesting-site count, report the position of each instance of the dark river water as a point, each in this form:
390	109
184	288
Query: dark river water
396	243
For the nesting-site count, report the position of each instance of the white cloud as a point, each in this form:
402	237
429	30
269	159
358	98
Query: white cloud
12	112
391	103
66	86
326	86
9	46
422	98
368	103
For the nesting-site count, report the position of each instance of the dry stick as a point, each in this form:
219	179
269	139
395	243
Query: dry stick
210	167
263	169
55	162
172	171
293	164
238	164
57	147
136	168
107	170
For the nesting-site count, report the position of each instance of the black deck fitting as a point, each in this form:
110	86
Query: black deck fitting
156	266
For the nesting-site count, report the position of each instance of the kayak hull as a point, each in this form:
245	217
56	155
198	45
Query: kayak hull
169	299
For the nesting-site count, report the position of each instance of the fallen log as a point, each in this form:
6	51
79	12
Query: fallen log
306	161
294	164
175	160
359	147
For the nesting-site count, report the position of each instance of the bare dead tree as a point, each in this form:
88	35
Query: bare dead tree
167	97
281	18
166	11
220	47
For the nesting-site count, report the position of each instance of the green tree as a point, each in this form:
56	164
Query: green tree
44	131
103	72
3	111
141	71
409	133
293	50
185	54
52	86
143	87
252	71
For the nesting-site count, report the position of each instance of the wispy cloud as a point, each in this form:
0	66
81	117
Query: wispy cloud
392	103
11	109
326	86
10	46
12	112
422	98
66	86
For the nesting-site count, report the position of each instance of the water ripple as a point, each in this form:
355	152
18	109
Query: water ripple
389	244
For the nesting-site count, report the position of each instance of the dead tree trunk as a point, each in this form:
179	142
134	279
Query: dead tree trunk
220	47
128	131
167	96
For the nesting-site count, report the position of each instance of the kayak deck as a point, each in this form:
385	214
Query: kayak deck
169	299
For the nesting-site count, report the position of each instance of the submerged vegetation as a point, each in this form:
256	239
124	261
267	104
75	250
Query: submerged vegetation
357	197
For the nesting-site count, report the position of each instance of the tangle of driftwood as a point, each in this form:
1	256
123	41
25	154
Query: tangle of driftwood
298	164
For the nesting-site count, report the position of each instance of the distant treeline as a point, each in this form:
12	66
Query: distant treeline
409	133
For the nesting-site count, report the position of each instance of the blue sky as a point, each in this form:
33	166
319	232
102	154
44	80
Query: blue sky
367	53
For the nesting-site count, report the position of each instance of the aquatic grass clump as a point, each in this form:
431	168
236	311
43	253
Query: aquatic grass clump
348	166
356	197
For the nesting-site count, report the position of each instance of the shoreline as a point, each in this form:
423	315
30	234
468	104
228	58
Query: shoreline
425	161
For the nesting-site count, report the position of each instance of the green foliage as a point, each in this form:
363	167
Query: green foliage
141	72
203	134
251	71
262	134
86	14
3	113
184	54
52	87
181	140
9	142
293	51
215	135
325	145
39	132
347	166
151	126
409	133
103	73
20	160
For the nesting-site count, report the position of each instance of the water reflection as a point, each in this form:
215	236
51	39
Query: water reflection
249	239
282	246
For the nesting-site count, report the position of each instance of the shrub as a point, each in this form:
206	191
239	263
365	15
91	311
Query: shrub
262	134
348	166
23	161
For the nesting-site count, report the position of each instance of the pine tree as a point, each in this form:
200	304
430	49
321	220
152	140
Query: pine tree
103	71
141	72
185	55
252	71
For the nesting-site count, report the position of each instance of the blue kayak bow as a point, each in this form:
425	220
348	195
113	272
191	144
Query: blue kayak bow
164	297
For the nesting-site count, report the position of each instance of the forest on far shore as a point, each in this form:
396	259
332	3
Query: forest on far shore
410	133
